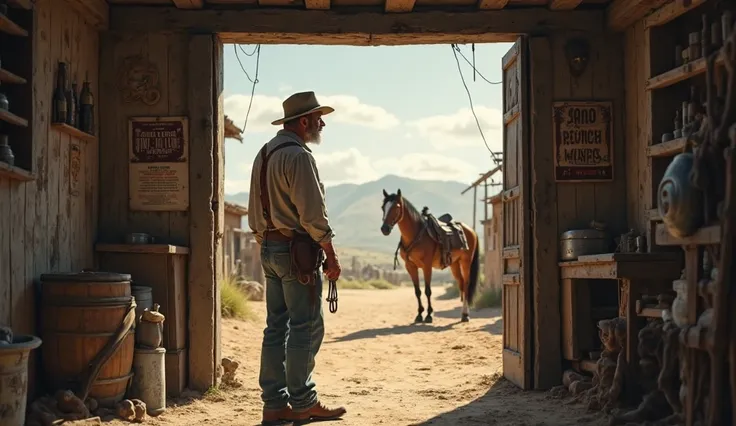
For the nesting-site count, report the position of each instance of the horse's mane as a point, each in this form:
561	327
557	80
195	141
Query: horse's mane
412	211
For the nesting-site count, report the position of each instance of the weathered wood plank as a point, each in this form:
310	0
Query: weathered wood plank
113	201
189	4
566	196
492	4
65	217
18	300
547	357
670	11
622	13
300	27
142	248
219	186
54	144
397	6
6	287
178	56
93	12
202	269
320	4
564	4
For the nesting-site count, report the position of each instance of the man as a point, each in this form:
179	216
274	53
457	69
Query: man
296	204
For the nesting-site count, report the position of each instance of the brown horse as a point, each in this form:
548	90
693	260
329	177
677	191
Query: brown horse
419	251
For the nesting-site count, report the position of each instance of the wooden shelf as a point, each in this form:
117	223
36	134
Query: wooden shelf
9	27
676	75
705	236
8	77
16	173
651	312
11	118
74	132
667	149
141	248
22	4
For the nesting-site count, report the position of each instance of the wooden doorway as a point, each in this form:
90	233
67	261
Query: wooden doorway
516	253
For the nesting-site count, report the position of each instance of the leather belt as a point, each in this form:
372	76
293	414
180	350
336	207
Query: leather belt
275	235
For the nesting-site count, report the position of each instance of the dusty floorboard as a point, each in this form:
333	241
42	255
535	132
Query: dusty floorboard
386	371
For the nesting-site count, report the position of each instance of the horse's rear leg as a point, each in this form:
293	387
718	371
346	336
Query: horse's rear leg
428	292
461	285
414	274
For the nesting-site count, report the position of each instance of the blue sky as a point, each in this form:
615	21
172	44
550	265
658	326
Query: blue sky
399	110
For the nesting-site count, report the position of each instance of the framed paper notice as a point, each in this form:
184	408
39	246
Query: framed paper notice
583	141
158	170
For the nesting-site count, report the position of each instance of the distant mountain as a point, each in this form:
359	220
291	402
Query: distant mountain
355	210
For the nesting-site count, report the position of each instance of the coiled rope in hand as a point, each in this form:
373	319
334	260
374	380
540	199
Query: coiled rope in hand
332	296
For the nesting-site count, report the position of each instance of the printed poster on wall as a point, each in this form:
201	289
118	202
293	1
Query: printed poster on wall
159	163
583	141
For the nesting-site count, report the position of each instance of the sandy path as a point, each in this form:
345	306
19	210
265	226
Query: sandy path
388	372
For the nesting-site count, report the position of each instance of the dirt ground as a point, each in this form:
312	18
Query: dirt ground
387	371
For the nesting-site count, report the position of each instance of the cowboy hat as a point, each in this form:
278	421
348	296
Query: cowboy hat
300	104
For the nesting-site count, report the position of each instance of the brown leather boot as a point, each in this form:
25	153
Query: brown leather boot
320	412
273	417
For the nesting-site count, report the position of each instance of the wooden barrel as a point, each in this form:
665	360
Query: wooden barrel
81	313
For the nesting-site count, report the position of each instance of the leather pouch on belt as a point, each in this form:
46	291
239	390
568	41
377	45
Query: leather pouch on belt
306	258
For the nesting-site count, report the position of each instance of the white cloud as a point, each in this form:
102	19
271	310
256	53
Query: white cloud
460	128
348	109
351	166
345	166
284	88
233	186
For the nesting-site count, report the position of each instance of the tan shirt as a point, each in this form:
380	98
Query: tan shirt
297	195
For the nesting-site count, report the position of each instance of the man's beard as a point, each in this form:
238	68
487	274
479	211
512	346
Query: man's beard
313	135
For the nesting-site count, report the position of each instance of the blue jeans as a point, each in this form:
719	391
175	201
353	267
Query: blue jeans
293	334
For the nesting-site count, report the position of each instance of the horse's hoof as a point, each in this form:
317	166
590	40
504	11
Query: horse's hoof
428	320
418	319
465	318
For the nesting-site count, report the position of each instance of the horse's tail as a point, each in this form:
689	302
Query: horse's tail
474	273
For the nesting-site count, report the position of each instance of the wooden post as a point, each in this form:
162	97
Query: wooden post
203	265
485	200
475	203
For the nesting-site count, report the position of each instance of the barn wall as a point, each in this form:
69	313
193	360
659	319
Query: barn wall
169	55
44	226
573	205
188	75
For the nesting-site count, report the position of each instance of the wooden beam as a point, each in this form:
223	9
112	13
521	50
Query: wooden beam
317	4
280	26
622	13
492	4
95	12
189	4
564	4
399	6
670	11
482	178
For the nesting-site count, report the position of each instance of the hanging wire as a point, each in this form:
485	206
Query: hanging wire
254	80
472	109
472	65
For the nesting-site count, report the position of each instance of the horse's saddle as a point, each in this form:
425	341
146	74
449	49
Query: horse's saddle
446	232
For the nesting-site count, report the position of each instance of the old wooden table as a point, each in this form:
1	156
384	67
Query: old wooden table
634	272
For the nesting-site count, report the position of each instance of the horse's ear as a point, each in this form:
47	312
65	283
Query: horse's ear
385	194
398	192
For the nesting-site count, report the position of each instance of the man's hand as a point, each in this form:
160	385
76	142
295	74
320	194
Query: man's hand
331	268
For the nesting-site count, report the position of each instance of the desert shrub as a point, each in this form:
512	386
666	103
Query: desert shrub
234	301
487	298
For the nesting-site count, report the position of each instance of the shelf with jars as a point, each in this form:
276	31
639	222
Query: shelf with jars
16	109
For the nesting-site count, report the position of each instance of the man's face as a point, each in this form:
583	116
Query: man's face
313	130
